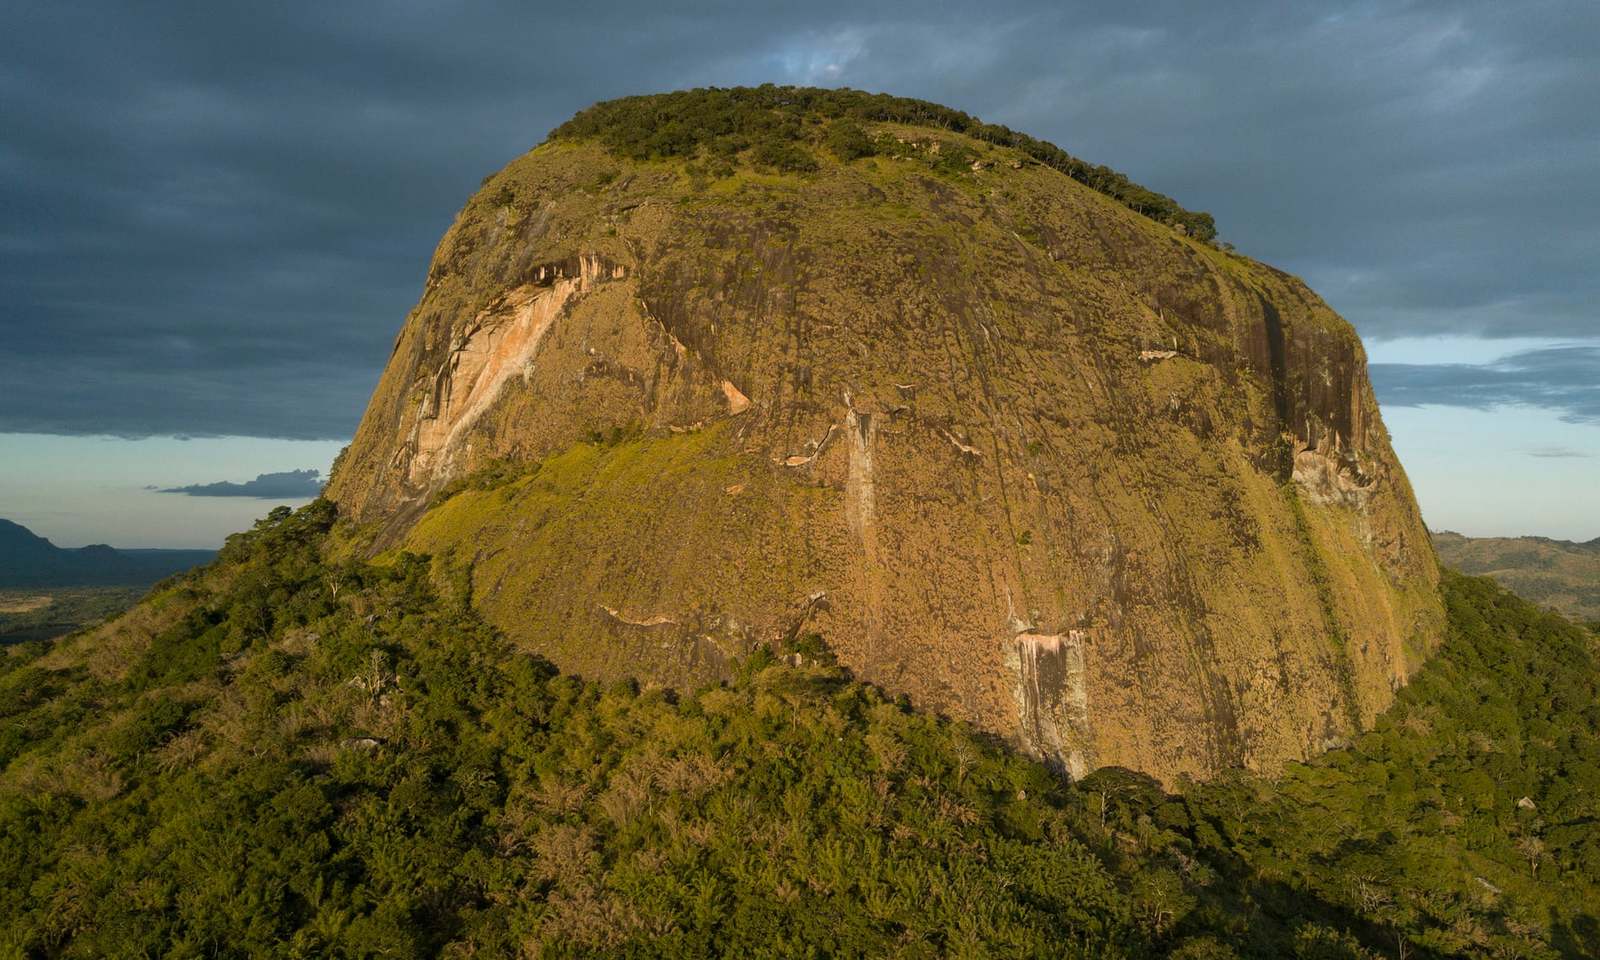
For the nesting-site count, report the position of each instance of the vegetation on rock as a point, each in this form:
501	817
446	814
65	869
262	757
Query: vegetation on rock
287	754
778	126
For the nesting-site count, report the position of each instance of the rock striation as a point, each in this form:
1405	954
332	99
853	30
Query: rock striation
1009	446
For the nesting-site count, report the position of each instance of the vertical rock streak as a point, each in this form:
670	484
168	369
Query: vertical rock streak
1052	696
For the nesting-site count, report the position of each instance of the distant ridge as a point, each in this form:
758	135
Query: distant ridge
1562	575
29	560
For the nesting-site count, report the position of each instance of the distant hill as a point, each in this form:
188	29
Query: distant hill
29	560
1559	574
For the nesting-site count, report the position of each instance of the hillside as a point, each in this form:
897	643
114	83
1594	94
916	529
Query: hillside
710	370
297	755
29	560
1558	574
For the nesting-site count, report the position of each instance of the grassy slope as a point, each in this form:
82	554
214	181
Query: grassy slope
564	526
295	757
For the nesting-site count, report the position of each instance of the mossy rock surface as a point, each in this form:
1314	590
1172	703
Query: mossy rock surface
1010	444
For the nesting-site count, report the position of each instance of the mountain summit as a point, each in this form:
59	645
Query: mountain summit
1010	433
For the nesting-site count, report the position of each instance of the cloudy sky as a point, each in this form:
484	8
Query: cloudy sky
214	216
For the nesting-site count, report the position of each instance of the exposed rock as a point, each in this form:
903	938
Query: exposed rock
497	345
1053	699
965	449
813	603
656	621
814	450
737	402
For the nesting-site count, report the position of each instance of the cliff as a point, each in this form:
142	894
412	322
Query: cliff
1011	446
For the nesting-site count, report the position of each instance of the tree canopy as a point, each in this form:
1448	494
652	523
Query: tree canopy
781	123
294	754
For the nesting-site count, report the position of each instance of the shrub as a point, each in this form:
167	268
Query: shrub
848	141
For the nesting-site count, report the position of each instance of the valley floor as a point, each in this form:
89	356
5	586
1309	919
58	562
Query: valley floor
44	613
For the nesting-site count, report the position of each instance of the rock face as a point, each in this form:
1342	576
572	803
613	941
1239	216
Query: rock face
1010	447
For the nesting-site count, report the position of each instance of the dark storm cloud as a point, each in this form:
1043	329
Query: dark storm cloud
289	485
213	217
1566	379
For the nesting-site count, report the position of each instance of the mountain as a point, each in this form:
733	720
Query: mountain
29	560
1559	574
710	371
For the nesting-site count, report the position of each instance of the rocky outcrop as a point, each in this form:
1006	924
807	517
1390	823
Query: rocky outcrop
498	344
930	397
1053	698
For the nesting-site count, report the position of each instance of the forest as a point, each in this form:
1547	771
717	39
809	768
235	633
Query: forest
778	127
289	753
